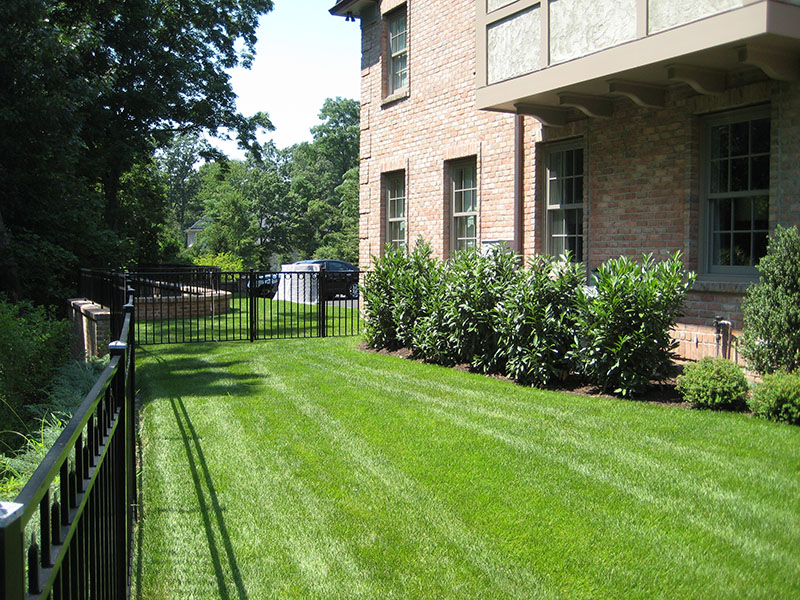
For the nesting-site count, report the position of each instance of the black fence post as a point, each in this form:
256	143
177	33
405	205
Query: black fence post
12	553
251	306
322	297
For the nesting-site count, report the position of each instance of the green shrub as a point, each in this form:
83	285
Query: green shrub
625	321
413	281
476	284
226	261
32	347
714	383
771	308
777	398
537	321
378	292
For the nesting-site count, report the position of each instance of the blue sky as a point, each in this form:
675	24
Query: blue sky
303	56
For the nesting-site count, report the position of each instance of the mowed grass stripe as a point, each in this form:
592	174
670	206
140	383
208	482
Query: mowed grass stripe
648	459
328	472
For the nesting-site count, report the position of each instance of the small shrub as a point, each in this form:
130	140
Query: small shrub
777	398
625	321
771	308
714	383
413	281
226	261
378	291
536	322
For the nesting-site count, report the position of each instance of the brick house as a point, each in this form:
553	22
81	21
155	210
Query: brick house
603	127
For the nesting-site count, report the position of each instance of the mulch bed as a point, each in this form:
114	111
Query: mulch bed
663	392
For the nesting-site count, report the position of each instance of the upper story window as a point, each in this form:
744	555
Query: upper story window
737	192
564	194
396	209
398	51
464	204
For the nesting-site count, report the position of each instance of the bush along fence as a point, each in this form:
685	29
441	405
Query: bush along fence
207	304
68	533
536	324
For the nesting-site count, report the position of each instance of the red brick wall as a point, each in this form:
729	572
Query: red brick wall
642	166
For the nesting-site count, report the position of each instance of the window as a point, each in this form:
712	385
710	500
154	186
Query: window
396	210
398	51
564	181
737	192
464	204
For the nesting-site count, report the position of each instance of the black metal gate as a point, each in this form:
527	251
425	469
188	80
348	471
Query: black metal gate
206	304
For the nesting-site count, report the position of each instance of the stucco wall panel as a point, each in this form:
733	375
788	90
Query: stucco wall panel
665	14
580	27
514	45
495	4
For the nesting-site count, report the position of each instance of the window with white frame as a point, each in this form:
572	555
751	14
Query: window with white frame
464	204
396	209
398	51
737	191
564	183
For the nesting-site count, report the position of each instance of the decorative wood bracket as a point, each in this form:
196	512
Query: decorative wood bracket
783	65
702	80
643	94
551	116
593	106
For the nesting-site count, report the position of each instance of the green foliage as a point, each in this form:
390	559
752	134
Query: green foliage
771	308
537	321
777	398
714	383
378	292
32	347
226	261
412	283
66	392
625	320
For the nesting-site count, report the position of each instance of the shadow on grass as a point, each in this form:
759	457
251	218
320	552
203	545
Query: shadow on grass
209	506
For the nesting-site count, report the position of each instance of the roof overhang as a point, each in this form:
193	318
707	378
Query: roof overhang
765	35
350	8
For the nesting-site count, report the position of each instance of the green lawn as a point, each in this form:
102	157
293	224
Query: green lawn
273	319
309	469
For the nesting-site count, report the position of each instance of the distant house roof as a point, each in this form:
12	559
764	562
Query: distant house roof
198	225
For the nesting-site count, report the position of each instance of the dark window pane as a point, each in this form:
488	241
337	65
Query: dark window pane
761	212
555	164
759	246
569	163
555	192
719	141
740	138
743	214
579	250
719	176
722	249
579	218
578	170
557	222
722	214
557	246
759	173
568	187
759	135
579	189
572	227
739	169
741	249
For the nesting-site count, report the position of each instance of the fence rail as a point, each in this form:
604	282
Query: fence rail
201	304
68	534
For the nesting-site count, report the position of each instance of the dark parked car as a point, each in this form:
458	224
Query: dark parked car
341	278
266	284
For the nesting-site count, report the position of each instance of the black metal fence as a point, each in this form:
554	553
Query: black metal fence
204	304
68	534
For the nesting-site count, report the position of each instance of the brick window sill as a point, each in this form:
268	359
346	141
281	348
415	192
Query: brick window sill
722	285
395	97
